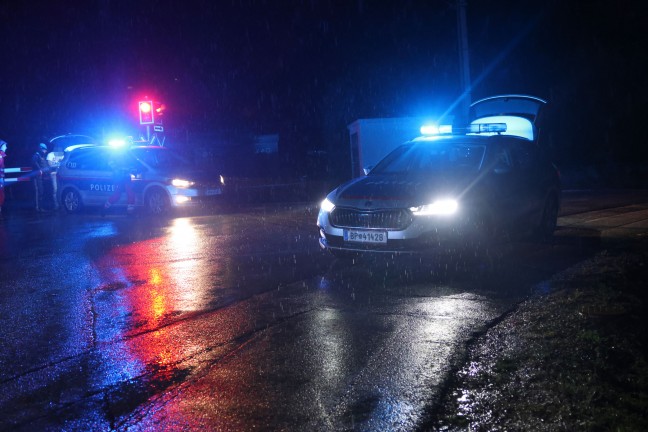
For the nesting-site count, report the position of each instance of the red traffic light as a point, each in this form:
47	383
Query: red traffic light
159	108
146	112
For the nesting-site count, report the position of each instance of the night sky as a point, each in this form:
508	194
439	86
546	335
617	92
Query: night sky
229	70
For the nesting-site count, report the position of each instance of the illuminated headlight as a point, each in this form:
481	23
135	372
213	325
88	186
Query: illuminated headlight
222	180
179	183
327	206
179	199
438	207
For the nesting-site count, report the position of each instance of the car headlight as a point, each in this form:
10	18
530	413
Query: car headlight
222	180
327	206
180	183
438	207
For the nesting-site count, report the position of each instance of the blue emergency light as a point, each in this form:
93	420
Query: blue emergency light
436	130
487	128
116	143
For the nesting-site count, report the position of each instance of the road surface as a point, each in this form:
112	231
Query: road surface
235	320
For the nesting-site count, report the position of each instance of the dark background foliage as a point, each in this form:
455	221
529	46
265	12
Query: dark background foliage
230	70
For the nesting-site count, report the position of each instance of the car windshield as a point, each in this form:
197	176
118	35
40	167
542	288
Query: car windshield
159	158
432	156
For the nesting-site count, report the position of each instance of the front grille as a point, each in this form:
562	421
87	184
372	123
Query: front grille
396	219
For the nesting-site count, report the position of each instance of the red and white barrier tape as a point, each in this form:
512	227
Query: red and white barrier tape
17	170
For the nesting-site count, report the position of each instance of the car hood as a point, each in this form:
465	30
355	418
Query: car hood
384	191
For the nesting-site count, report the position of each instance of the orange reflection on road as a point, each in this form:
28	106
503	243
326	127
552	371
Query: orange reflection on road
165	276
145	287
158	298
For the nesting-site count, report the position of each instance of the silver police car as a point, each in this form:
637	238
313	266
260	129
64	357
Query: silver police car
160	178
450	188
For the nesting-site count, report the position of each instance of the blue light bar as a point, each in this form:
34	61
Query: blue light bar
436	130
117	143
515	126
429	130
487	128
445	129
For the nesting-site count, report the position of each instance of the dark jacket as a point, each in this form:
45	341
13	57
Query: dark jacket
39	163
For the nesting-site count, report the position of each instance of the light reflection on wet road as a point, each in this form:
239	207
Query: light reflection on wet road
234	322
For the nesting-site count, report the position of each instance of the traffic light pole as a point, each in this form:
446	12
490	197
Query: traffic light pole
150	113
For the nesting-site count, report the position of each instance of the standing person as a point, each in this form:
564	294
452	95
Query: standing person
53	161
123	183
40	167
3	154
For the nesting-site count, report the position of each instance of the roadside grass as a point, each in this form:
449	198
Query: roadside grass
574	359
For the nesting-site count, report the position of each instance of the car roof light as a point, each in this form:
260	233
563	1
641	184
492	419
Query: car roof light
429	130
515	126
117	143
487	128
436	130
445	129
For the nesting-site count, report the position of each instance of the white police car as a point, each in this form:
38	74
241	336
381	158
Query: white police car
450	188
160	178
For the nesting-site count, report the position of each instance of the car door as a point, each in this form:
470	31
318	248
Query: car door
88	171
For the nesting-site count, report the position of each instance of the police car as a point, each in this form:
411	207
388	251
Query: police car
160	178
450	187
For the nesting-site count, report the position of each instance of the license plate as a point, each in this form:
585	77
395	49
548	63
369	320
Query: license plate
365	236
213	192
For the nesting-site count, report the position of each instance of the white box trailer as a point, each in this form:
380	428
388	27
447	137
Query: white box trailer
373	139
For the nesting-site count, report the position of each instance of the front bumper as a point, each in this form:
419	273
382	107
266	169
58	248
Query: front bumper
425	234
187	197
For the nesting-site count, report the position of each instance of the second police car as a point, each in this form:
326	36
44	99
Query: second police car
450	187
160	178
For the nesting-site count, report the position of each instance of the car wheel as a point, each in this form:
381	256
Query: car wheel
71	201
157	202
549	220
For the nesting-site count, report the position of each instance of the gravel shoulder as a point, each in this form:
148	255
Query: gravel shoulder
572	358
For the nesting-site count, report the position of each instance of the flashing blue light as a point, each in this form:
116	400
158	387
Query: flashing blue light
483	128
429	130
445	129
512	125
436	130
117	143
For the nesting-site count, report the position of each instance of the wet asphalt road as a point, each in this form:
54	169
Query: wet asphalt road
235	320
